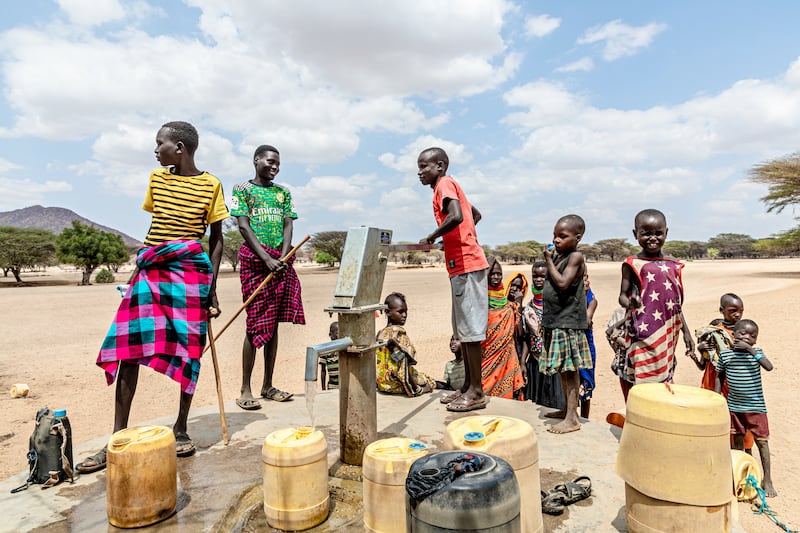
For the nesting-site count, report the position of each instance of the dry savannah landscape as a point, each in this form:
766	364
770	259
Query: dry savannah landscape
51	334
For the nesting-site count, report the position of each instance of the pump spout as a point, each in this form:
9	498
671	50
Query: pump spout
313	353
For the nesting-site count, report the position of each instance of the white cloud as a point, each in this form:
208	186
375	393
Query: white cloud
375	48
6	165
541	25
620	39
17	193
405	160
92	12
584	64
665	155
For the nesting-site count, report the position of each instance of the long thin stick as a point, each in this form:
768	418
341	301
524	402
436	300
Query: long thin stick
289	254
225	439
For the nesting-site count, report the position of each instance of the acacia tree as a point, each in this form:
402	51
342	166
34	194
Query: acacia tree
88	247
732	244
614	248
25	248
782	177
331	243
231	243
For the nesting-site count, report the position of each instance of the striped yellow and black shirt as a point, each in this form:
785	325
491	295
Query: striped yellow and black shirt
182	206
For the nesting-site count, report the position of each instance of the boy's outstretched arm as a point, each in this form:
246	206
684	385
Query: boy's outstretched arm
629	289
688	340
453	218
215	253
574	269
590	309
765	363
476	215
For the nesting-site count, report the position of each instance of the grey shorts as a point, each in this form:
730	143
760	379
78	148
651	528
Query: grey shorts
470	295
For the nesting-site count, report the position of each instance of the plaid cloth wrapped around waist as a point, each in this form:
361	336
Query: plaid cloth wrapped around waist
279	301
162	319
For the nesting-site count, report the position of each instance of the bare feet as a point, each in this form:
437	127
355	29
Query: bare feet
562	414
564	427
769	489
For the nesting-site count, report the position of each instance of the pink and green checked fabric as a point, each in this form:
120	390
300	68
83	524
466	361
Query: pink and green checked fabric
162	320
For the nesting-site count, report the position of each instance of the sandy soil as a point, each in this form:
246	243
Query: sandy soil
51	335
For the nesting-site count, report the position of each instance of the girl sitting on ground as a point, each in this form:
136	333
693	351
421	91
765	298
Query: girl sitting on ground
396	358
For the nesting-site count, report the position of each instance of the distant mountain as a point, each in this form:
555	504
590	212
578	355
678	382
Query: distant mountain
54	219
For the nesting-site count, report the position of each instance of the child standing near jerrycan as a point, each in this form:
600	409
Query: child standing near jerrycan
652	288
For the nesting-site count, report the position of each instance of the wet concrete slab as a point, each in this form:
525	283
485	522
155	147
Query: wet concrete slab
219	488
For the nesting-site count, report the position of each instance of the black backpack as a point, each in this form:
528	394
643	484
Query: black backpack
49	451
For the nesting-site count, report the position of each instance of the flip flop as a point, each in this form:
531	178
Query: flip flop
553	503
278	395
93	463
462	405
574	491
616	419
450	397
184	447
248	404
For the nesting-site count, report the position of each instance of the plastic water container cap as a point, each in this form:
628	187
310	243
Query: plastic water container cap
416	446
474	436
60	412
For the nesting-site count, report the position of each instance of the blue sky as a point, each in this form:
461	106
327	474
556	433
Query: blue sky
546	108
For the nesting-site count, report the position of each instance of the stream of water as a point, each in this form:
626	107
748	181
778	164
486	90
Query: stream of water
311	393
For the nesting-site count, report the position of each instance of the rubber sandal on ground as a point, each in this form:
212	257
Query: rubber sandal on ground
278	395
553	503
462	405
616	419
248	404
184	447
574	491
450	397
93	463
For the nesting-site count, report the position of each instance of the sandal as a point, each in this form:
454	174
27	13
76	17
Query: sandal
574	491
184	447
278	395
248	404
463	405
93	463
450	397
553	503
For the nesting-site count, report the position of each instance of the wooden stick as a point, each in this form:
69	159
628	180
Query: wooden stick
225	439
288	255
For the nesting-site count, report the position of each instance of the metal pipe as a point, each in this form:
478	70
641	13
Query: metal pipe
313	353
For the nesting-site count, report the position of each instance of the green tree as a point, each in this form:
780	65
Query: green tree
324	258
680	249
88	247
713	253
330	242
590	251
782	178
25	248
732	244
697	249
614	249
519	252
231	243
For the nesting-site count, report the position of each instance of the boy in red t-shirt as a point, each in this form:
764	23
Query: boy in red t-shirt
466	266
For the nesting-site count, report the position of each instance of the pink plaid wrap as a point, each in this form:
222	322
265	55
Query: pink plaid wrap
279	301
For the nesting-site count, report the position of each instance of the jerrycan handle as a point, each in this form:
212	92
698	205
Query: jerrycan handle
119	444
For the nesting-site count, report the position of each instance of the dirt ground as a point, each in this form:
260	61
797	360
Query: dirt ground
50	335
